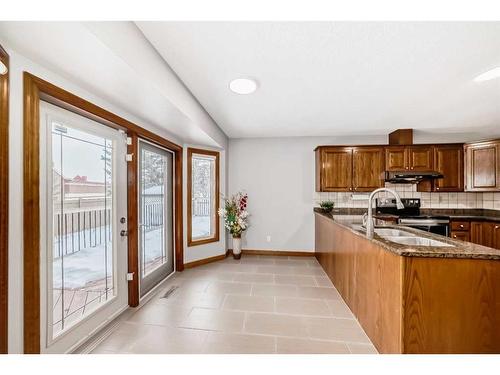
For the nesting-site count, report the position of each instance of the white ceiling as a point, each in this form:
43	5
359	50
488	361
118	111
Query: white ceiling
114	61
340	78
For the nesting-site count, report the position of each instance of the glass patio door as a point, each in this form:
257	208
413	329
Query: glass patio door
156	255
84	256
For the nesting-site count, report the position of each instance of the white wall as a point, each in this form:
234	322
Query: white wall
198	252
278	175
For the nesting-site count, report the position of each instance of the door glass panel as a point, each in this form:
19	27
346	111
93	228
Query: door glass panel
82	222
155	215
152	210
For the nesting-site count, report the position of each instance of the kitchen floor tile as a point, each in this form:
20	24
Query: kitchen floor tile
259	304
230	343
286	345
277	325
214	320
303	307
249	303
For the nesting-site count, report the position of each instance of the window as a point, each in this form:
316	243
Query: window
203	196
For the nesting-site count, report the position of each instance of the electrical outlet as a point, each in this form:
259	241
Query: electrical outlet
268	238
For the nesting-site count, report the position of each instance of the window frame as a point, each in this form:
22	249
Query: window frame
216	237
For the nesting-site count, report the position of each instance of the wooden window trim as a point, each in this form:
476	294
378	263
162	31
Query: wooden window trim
35	90
4	202
215	238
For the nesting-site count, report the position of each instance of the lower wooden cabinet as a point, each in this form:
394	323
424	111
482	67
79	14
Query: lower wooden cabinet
486	233
462	236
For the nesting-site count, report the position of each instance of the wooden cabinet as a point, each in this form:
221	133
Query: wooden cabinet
396	158
367	168
334	169
460	230
462	236
449	161
420	158
491	234
482	166
413	158
411	304
486	233
349	168
476	232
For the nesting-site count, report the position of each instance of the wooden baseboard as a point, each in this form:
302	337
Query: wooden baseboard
201	262
229	252
274	253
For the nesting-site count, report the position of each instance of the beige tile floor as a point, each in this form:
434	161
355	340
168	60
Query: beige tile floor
259	304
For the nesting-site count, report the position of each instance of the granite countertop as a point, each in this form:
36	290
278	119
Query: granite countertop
351	218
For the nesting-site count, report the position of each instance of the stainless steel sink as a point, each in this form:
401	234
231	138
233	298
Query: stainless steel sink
382	232
416	241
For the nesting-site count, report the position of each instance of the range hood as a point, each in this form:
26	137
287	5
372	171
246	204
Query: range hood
410	177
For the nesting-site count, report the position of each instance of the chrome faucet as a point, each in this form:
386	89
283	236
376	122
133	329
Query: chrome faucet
369	218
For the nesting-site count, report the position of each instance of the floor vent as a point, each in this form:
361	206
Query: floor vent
169	292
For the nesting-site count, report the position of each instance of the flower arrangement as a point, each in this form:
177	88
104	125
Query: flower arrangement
235	214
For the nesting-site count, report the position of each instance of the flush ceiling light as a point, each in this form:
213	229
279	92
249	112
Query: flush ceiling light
3	68
490	74
243	86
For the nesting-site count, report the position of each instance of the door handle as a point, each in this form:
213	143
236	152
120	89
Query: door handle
124	233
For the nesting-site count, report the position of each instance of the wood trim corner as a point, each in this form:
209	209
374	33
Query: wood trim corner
36	89
4	202
216	237
132	215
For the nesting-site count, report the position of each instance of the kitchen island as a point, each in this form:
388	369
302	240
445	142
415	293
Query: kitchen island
413	299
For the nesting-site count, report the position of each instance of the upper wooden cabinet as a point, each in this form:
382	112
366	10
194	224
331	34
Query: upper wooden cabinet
367	168
449	161
349	168
420	158
482	166
414	158
396	158
334	169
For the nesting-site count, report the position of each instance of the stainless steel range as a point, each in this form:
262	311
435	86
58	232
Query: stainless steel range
410	215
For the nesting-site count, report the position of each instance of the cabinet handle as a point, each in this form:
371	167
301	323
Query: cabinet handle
355	188
454	236
496	226
437	188
411	168
461	225
406	167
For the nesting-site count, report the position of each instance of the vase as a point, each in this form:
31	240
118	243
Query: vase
237	247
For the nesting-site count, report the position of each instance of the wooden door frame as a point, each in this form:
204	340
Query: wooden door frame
216	236
4	202
35	90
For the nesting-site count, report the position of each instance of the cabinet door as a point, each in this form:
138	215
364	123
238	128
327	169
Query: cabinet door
462	236
483	169
488	238
476	232
449	160
396	158
336	169
367	168
420	158
496	235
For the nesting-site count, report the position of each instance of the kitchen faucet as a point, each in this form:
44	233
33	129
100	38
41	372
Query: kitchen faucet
369	218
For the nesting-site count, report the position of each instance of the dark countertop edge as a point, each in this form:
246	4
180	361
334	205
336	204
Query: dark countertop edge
480	214
461	250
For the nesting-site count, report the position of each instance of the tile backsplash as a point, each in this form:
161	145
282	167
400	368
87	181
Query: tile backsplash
428	200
